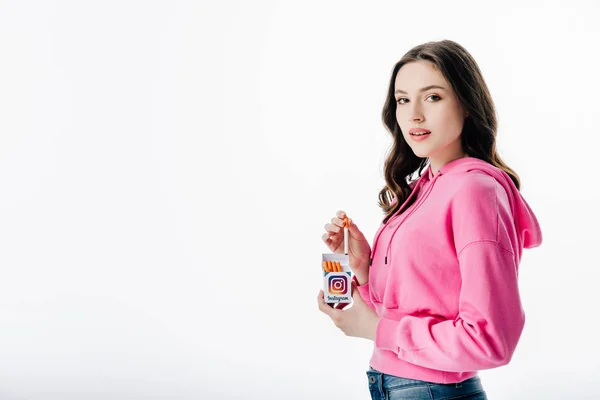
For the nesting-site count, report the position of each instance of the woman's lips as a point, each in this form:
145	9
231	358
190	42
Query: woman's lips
418	130
421	136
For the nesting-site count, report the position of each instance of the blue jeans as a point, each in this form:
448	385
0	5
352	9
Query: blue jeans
388	387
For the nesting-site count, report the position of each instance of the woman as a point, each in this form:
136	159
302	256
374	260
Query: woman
438	293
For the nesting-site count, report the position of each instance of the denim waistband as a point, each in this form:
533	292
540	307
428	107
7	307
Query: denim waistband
385	381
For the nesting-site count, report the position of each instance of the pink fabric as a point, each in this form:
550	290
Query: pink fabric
444	275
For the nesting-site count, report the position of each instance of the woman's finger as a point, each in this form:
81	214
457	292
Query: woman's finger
332	228
324	307
337	222
333	236
330	242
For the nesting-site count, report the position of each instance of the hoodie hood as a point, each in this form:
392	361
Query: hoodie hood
526	223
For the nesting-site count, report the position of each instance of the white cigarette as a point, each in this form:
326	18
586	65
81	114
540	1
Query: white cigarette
346	241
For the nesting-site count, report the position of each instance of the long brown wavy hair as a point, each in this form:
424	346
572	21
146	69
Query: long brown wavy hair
478	137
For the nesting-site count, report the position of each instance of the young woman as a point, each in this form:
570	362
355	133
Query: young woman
438	292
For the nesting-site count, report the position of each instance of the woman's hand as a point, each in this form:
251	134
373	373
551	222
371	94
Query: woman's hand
358	246
359	320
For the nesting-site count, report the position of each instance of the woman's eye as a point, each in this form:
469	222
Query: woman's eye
399	101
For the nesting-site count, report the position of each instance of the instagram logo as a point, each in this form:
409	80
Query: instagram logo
338	284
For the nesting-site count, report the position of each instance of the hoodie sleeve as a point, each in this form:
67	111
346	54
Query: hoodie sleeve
365	294
490	320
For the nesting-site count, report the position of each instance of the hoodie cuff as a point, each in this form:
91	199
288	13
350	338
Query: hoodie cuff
386	334
363	290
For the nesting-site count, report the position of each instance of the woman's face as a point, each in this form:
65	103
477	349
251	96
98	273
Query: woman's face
435	109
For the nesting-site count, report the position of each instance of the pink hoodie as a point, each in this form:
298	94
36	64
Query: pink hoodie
444	275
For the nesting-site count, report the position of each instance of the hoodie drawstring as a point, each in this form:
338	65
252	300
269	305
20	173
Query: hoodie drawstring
422	200
415	189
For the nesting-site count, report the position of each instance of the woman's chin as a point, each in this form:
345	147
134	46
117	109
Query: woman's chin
420	153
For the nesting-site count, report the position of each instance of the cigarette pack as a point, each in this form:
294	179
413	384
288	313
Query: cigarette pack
337	278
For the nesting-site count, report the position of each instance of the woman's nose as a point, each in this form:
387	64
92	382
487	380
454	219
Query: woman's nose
415	114
416	117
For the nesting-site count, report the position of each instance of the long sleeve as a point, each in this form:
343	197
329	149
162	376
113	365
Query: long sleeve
487	328
365	294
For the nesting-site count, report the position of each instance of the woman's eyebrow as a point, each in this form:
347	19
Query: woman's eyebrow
422	89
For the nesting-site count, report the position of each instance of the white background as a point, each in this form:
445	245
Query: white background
167	169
